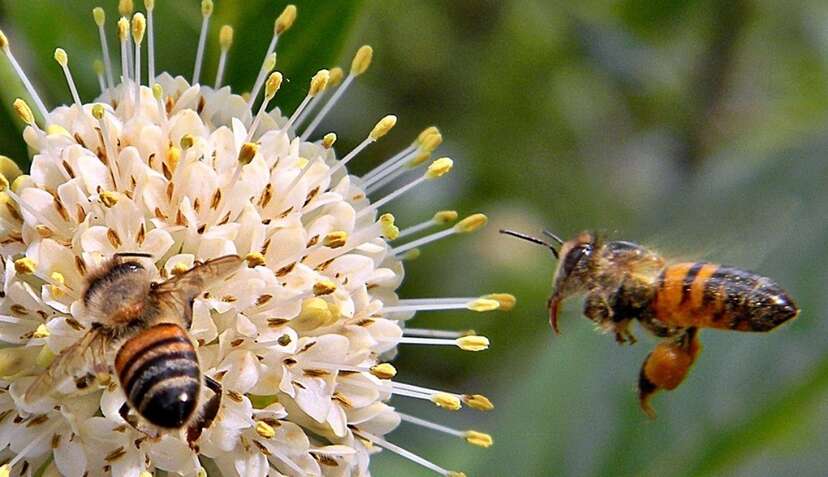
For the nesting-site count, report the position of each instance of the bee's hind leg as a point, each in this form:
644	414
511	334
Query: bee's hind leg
667	366
132	421
208	412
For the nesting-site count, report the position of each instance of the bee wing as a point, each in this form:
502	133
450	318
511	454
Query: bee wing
192	282
85	358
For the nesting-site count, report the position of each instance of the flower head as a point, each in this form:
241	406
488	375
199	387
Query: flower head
181	173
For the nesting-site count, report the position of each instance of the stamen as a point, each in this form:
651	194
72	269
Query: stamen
125	9
380	129
317	85
123	37
335	80
31	445
427	142
472	437
150	6
63	60
274	82
98	112
139	26
408	163
476	304
437	169
281	25
206	13
466	343
408	455
100	18
4	46
226	41
470	224
442	217
428	333
98	66
361	62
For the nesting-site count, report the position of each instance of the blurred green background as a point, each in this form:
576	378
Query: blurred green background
698	127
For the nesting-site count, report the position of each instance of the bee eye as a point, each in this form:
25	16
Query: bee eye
575	256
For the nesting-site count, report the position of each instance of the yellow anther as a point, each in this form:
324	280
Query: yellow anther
473	343
61	57
362	60
478	401
384	371
4	41
507	301
301	162
265	430
9	169
98	67
285	20
383	126
157	91
419	159
25	266
206	7
319	82
201	472
57	130
45	357
337	75
57	278
254	259
480	439
179	269
187	141
125	8
324	287
41	331
123	29
226	37
149	5
412	254
4	184
274	82
139	27
248	152
98	111
335	239
452	473
99	15
471	223
315	314
425	133
445	217
329	140
173	157
24	112
5	470
109	199
19	182
389	230
446	401
431	142
439	168
483	304
269	62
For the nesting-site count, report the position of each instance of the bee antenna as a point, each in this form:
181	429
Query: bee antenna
553	236
529	238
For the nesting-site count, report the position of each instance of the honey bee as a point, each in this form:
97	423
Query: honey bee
139	331
624	281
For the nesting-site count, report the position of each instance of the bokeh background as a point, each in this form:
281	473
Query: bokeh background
698	127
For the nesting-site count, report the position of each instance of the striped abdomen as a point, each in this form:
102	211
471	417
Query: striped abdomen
158	371
706	295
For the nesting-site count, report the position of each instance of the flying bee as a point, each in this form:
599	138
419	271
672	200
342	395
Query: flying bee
139	331
624	281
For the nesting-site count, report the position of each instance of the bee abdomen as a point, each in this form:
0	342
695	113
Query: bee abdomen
159	373
714	296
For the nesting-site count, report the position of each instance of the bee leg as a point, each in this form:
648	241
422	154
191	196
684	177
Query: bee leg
132	421
208	412
667	366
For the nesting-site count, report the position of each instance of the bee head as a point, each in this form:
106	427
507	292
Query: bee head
573	274
117	291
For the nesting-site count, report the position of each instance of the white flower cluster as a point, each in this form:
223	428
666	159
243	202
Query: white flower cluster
185	173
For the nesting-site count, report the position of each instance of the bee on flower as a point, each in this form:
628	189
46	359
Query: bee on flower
178	247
